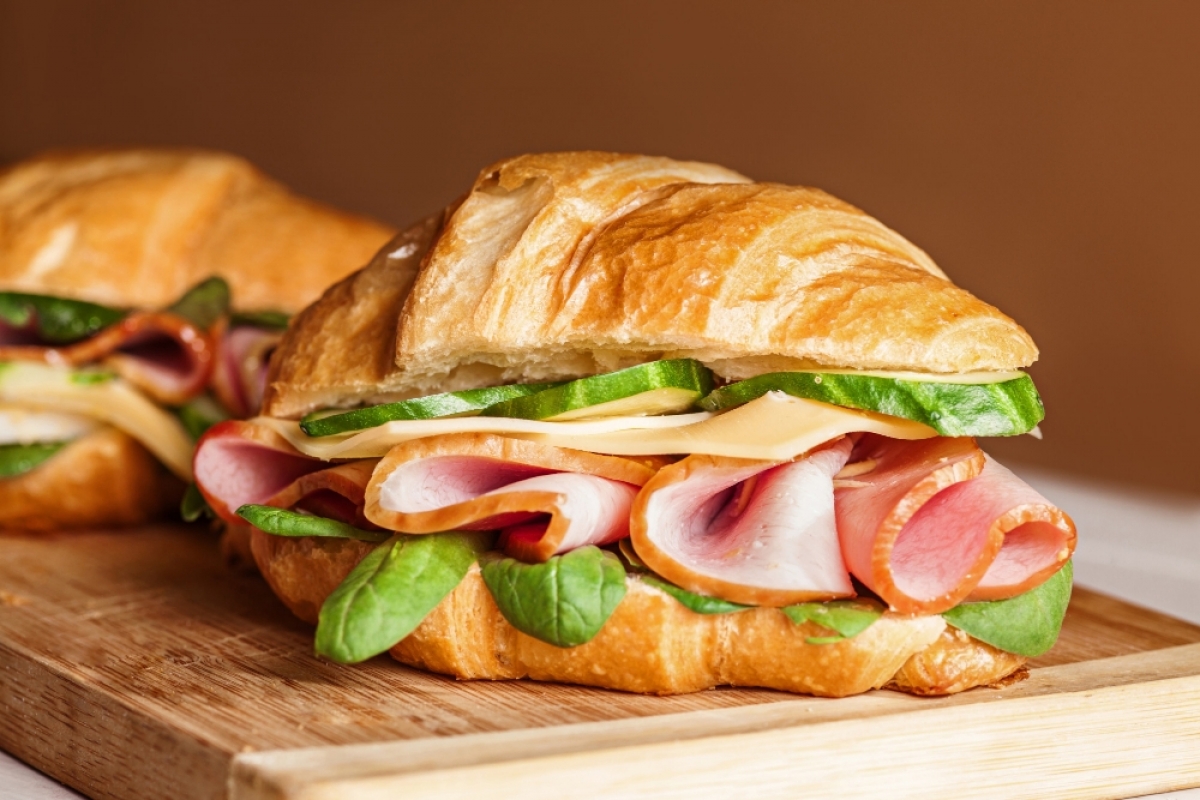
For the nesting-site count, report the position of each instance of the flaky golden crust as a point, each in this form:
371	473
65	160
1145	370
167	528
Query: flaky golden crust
341	349
651	644
956	662
136	228
103	479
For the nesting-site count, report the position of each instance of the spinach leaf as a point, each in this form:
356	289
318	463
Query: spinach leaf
272	320
1027	624
391	591
17	459
700	603
565	601
194	506
281	522
846	618
204	303
199	414
56	320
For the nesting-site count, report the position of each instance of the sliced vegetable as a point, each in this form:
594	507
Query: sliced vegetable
450	404
391	591
281	522
17	459
272	320
660	387
91	376
700	603
564	601
846	618
1027	624
204	303
1005	408
56	320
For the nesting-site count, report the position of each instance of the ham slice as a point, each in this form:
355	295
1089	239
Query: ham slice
544	499
239	462
163	355
239	375
930	524
754	532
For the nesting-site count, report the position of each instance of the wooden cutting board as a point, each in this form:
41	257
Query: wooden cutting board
134	665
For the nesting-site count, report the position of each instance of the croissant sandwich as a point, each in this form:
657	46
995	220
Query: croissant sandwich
118	343
648	425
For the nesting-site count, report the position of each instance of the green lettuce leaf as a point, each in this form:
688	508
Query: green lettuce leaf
199	414
846	618
57	320
281	522
194	506
565	601
391	591
272	320
204	303
17	459
700	603
1027	624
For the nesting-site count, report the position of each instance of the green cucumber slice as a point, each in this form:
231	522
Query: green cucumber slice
451	404
281	522
392	590
1027	624
58	320
204	303
565	601
659	387
17	459
1006	408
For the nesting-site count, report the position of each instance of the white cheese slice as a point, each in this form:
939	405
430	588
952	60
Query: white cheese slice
774	427
43	387
26	426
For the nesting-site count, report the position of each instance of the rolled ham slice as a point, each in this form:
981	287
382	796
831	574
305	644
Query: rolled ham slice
163	355
929	524
755	532
543	499
239	375
237	463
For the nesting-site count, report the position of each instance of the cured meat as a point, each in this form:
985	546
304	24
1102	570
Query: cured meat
754	532
239	375
930	524
543	499
239	462
162	354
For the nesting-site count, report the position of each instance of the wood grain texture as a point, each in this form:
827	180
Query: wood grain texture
134	665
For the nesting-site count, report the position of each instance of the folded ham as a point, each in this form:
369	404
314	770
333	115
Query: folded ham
754	532
239	375
544	499
162	354
933	523
237	463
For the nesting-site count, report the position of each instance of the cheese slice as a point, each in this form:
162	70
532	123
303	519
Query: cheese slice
30	385
27	426
375	442
775	427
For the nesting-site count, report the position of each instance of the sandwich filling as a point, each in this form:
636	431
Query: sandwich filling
833	509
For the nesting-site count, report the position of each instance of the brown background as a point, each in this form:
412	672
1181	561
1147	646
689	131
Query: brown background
1046	154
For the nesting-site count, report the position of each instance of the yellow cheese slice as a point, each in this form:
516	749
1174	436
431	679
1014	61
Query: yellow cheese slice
775	427
32	385
375	442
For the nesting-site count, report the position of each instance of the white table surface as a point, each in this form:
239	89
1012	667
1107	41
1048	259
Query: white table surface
1138	546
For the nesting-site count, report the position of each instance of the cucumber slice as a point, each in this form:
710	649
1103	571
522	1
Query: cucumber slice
451	404
660	387
56	320
17	459
1006	408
